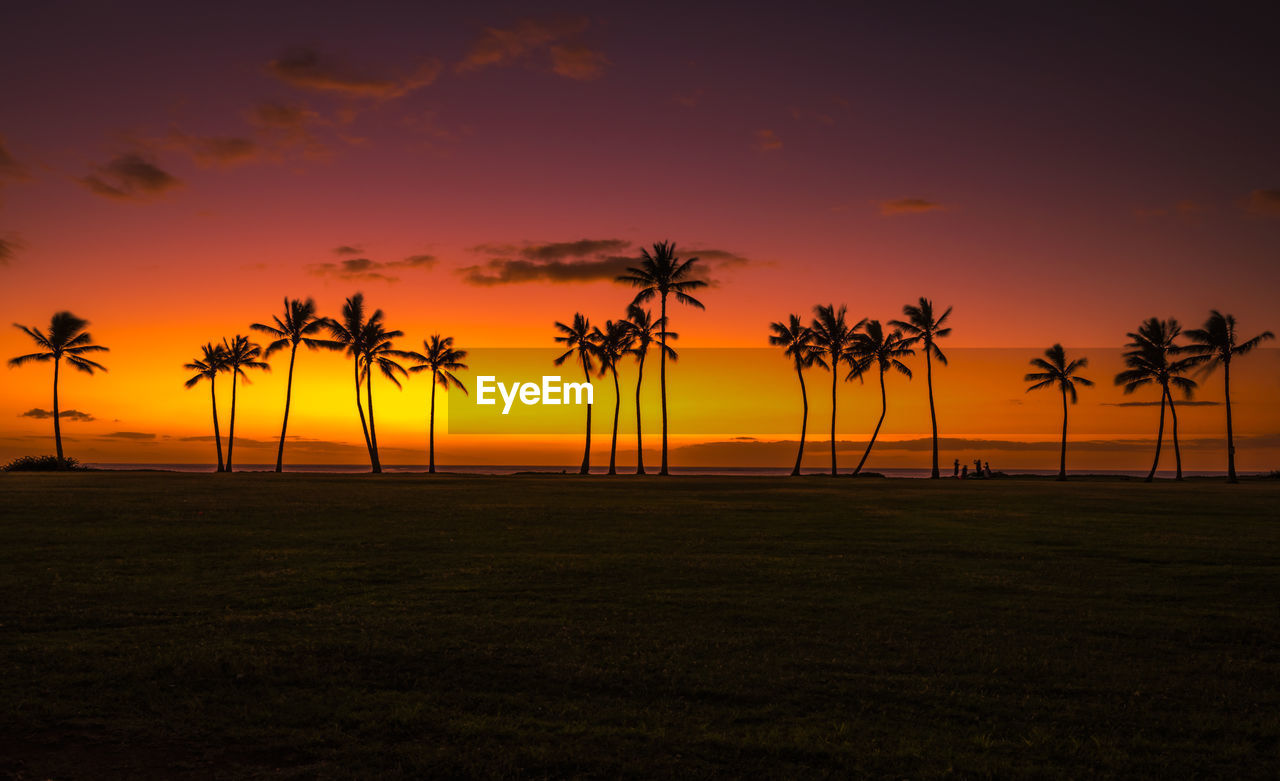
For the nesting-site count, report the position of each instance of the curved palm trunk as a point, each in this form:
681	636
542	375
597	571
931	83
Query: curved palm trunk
662	374
804	421
586	453
360	409
1177	452
288	397
883	408
57	427
431	427
617	405
373	432
833	416
217	437
639	437
933	415
1231	442
231	432
1062	462
1159	443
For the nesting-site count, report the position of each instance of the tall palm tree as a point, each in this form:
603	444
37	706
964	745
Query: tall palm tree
211	361
1056	370
1151	360
349	334
66	338
873	347
442	360
645	331
577	338
1215	345
299	326
612	344
832	338
661	274
797	343
923	328
378	351
239	354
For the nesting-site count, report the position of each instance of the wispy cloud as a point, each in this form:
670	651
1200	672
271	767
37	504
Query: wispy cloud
372	270
310	69
1264	203
130	177
10	168
902	206
347	249
583	260
136	436
10	243
767	141
528	40
1183	208
66	414
220	151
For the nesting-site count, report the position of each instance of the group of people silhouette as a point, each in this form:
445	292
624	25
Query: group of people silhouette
980	469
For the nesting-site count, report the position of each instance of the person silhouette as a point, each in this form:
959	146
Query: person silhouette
956	473
964	472
986	469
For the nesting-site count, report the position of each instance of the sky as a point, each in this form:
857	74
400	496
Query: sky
485	169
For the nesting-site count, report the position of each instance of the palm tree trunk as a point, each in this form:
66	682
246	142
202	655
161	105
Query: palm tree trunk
288	397
639	437
431	427
1159	442
1062	461
933	415
373	431
804	421
833	416
617	406
1231	442
883	407
217	437
231	432
57	427
586	453
1177	452
662	373
360	410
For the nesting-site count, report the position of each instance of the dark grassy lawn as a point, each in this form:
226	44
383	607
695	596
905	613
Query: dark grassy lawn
309	626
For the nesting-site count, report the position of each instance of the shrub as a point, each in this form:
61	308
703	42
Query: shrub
41	464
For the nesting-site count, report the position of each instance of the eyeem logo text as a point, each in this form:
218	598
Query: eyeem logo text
552	391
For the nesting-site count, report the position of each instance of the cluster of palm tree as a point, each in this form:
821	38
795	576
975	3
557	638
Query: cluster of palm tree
1155	358
831	343
363	337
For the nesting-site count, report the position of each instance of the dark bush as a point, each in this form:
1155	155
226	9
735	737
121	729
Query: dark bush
41	464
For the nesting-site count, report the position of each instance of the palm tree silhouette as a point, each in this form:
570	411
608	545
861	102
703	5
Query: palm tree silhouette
349	334
1151	361
299	326
1057	371
612	344
442	360
644	331
797	341
66	338
379	351
1215	345
872	347
923	328
211	361
577	338
662	274
239	354
832	337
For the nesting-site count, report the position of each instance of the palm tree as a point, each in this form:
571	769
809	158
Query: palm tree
577	338
662	274
797	341
1151	361
644	331
442	360
872	347
349	334
1055	370
379	351
211	361
299	326
1215	345
611	345
922	327
66	338
239	354
832	337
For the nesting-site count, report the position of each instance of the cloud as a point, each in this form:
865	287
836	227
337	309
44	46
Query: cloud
287	126
767	141
1183	208
1264	203
131	435
584	260
559	40
309	69
505	271
903	206
130	177
10	168
1157	404
66	414
222	151
10	243
555	250
347	249
364	268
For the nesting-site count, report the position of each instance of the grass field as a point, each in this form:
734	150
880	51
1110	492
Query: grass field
335	626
